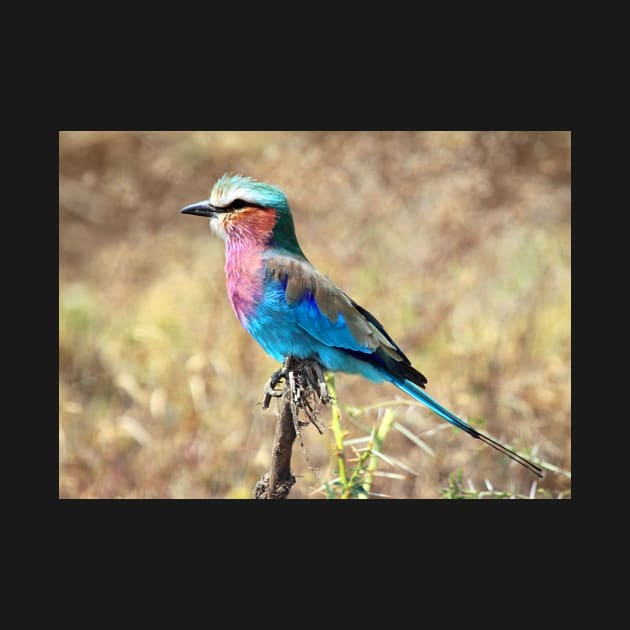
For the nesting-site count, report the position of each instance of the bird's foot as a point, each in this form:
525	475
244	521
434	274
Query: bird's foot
277	376
304	378
308	388
320	380
272	383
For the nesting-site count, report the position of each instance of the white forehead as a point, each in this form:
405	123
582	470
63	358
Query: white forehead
222	196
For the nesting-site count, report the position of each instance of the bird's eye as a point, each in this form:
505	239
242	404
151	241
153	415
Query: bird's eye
238	203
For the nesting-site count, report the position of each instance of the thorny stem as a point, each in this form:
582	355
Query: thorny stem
376	442
336	430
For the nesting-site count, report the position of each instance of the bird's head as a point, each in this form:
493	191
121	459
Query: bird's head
242	207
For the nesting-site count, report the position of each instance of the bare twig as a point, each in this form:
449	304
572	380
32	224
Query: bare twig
304	388
277	483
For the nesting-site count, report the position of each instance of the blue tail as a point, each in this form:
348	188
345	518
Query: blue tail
421	396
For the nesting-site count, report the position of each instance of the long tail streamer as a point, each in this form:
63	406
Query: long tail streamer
421	396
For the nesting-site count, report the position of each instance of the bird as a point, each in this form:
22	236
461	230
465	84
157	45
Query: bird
292	309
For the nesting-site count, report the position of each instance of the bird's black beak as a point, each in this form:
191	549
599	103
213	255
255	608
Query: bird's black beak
201	209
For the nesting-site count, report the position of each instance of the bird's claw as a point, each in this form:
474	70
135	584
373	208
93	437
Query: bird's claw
276	377
271	384
302	377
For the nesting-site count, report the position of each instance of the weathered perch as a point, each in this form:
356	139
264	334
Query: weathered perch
304	388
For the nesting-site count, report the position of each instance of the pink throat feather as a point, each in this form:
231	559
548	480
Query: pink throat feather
247	235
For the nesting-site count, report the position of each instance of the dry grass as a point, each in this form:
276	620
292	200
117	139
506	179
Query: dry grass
458	242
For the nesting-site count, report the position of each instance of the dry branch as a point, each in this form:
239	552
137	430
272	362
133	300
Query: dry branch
304	389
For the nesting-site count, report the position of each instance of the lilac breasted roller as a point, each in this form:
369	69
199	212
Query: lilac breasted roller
291	309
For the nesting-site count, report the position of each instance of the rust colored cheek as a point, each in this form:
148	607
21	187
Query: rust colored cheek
257	221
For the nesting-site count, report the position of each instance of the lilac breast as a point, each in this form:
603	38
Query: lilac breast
244	273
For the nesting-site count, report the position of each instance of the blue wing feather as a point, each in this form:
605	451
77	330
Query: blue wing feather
309	318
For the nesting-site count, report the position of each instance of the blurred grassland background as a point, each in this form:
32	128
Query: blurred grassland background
458	242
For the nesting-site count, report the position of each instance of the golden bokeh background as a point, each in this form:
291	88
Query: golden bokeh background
458	242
